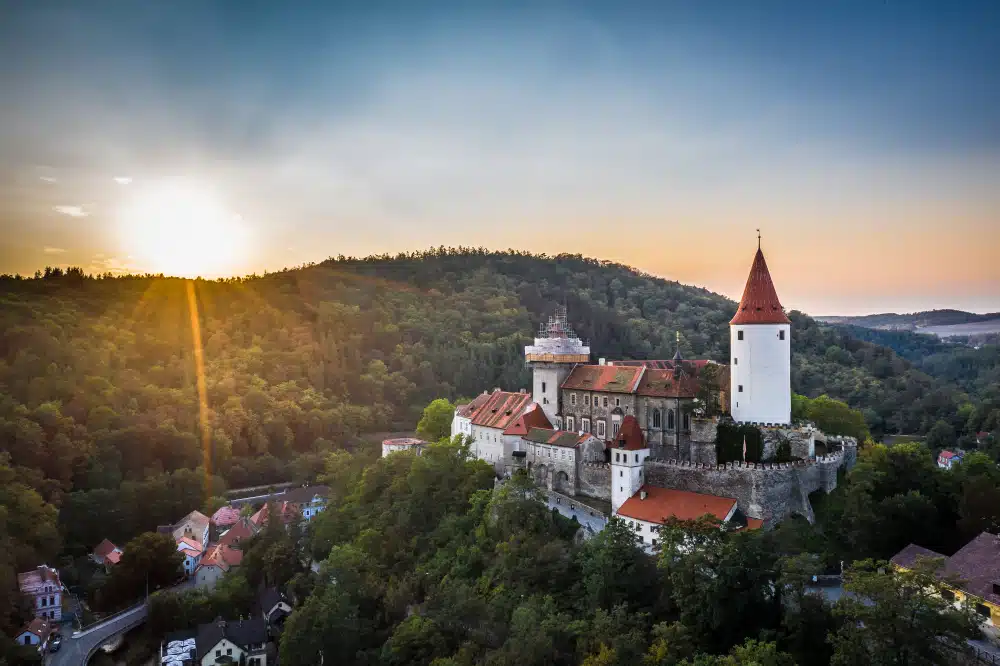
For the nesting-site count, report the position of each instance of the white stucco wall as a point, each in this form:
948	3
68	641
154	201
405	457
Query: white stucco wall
545	382
488	445
761	364
626	475
461	425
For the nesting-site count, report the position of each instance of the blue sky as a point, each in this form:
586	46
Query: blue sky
863	138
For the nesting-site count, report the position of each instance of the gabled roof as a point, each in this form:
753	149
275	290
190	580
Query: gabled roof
556	437
665	365
630	435
468	409
906	557
189	544
948	454
501	409
196	520
38	576
269	597
226	515
607	378
105	549
240	632
244	529
978	564
663	503
305	494
760	304
664	384
222	556
533	417
38	627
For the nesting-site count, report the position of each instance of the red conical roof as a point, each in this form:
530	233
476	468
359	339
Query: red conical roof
760	304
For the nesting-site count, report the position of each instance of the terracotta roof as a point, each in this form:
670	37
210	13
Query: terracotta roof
38	627
404	441
608	378
630	435
665	365
556	437
226	515
948	454
533	417
104	548
906	557
663	503
663	384
191	544
243	529
760	304
754	523
289	512
468	409
501	409
37	576
222	556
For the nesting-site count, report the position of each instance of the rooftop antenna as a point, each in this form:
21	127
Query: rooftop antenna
758	239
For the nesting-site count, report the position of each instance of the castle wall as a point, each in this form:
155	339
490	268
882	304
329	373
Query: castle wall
801	440
594	480
769	491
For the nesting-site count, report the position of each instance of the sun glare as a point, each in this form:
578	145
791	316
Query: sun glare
182	230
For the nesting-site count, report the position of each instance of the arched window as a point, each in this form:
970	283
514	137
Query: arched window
670	419
687	420
656	418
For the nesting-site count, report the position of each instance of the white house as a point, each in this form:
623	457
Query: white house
43	590
650	508
36	633
461	423
403	444
192	552
234	642
948	459
310	500
760	353
499	411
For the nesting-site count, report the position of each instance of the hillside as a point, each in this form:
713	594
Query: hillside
944	323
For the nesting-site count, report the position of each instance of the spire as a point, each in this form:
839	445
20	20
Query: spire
677	353
760	304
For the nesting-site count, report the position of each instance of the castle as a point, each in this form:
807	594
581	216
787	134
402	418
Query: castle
642	434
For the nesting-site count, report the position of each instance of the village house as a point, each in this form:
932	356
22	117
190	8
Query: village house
225	517
217	561
192	552
43	589
241	531
106	554
234	642
308	500
975	567
36	633
948	459
195	526
649	509
412	444
274	607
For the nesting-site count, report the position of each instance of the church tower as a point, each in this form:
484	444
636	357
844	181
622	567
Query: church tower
760	352
551	358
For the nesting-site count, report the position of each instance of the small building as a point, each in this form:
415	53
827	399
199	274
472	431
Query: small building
241	531
308	500
106	554
43	589
218	560
948	459
461	423
976	565
288	512
403	444
234	642
36	632
226	516
274	607
194	526
489	423
192	552
649	509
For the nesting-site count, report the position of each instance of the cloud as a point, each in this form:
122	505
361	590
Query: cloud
53	250
72	211
48	179
123	180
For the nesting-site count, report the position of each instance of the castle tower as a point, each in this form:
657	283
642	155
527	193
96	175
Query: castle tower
628	453
551	358
760	352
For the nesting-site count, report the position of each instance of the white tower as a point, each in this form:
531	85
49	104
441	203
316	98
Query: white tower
760	352
628	453
551	358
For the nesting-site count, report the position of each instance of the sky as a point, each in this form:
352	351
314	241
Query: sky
211	137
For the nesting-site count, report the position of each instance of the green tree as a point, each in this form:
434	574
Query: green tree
941	436
897	617
435	423
149	561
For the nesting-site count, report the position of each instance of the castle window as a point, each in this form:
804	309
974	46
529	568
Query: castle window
605	401
618	402
618	457
572	400
586	399
739	335
569	423
614	428
656	418
585	425
543	383
781	335
601	428
740	388
621	473
670	419
736	361
637	457
687	421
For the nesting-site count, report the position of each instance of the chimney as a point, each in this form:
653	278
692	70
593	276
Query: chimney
601	361
642	494
611	362
523	391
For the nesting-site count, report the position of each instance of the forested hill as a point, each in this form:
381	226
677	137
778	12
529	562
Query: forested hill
913	321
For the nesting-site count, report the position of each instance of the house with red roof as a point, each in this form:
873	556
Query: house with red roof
492	416
106	554
225	517
948	459
35	633
238	533
192	551
554	457
651	507
217	561
42	588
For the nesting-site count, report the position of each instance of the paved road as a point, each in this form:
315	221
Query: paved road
76	648
592	523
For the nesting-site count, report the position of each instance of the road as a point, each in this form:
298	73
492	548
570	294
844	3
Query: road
76	648
588	518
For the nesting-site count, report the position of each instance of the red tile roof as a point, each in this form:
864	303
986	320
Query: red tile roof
754	523
244	529
104	549
665	365
226	515
222	556
468	409
663	384
760	304
192	546
608	378
663	503
501	409
630	435
556	437
947	454
38	627
533	417
40	575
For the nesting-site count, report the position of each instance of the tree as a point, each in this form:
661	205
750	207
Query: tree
897	617
149	561
435	423
614	570
941	436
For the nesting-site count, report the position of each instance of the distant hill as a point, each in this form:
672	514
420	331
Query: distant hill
943	323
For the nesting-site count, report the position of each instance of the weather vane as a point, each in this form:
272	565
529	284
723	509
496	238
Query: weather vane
758	239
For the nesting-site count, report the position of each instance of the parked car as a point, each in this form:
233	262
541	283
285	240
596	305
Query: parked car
55	643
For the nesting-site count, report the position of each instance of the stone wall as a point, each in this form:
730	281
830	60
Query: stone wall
802	441
769	491
594	480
